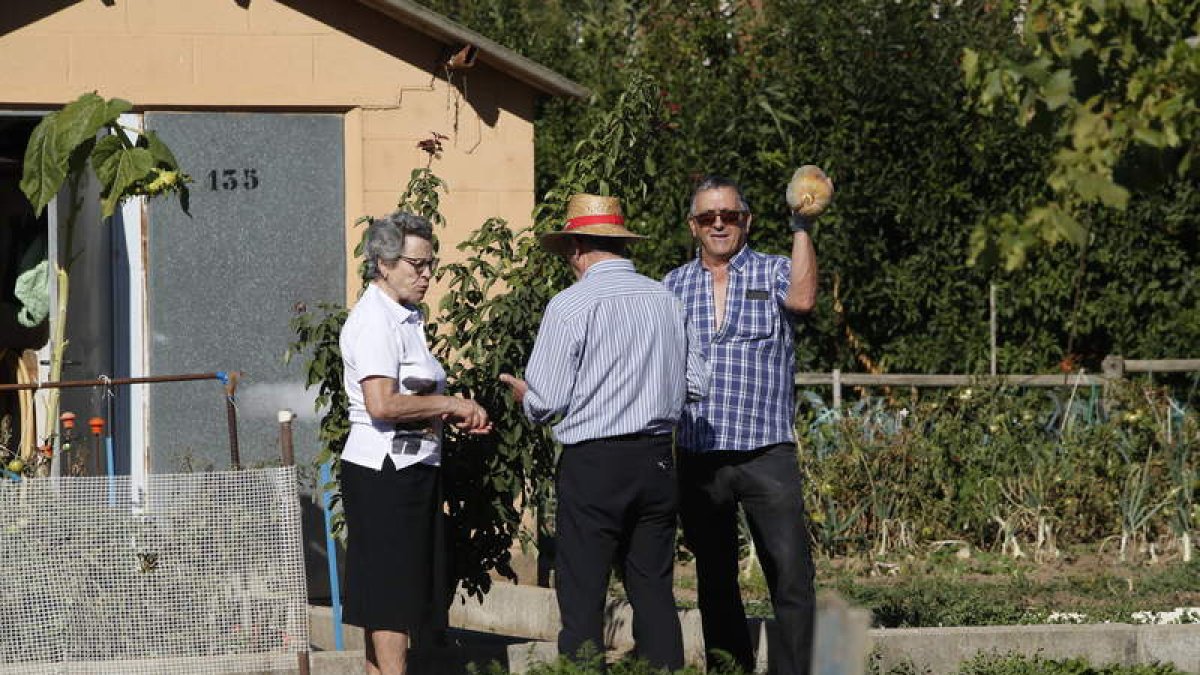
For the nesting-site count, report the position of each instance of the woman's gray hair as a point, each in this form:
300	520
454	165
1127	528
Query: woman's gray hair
386	235
715	182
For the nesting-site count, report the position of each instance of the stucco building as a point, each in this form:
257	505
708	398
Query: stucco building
294	118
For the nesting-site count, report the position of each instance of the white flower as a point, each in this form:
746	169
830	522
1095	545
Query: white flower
1178	615
1066	617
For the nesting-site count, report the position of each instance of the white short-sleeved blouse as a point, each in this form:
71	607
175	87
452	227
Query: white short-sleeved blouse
384	338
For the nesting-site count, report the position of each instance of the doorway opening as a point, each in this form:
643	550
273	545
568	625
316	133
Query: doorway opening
24	324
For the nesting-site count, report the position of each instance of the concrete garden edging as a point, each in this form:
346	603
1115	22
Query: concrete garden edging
529	616
532	612
942	650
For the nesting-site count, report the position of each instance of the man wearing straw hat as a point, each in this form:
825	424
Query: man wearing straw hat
613	364
738	445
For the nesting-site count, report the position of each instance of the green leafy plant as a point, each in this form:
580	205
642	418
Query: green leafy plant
1138	505
316	336
1022	473
66	139
1184	514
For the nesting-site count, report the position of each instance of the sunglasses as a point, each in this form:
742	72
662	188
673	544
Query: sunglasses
421	264
727	216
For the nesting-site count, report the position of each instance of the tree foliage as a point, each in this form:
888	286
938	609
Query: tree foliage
875	94
1117	86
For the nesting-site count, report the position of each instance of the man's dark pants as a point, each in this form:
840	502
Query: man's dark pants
617	501
767	484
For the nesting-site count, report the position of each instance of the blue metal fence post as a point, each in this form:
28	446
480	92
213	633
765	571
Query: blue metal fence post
331	555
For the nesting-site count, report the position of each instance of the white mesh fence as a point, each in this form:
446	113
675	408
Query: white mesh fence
187	573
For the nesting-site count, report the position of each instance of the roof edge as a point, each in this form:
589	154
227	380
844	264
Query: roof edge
498	56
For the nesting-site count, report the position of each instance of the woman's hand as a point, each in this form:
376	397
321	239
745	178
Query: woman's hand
467	415
385	404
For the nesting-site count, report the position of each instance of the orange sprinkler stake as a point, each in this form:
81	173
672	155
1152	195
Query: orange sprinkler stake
67	419
96	424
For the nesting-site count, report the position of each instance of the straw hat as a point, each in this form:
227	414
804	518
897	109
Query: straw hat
590	215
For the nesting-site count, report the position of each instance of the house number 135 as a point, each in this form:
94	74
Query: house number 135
232	179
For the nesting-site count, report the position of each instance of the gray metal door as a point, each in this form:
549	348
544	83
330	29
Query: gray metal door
266	232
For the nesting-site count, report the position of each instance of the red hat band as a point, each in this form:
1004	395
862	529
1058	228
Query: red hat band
598	219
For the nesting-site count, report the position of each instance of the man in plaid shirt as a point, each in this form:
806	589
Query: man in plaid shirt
738	445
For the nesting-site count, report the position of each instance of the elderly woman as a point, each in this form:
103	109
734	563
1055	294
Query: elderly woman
391	484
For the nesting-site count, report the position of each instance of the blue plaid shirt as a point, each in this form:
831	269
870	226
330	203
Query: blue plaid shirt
751	401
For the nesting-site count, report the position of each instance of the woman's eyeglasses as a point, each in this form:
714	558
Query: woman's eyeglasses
727	216
421	264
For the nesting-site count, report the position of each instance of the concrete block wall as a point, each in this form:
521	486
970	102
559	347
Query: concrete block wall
165	53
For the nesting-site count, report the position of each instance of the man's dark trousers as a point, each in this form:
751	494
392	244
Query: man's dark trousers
617	501
767	484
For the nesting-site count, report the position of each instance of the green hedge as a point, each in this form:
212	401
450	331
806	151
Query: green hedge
874	92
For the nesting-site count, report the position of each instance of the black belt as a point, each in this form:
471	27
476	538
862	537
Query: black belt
622	438
631	437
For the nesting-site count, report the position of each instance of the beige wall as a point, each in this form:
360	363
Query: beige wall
321	55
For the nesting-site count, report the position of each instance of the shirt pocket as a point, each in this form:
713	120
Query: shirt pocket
756	320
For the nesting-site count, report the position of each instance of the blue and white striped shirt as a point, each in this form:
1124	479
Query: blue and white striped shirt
614	355
752	400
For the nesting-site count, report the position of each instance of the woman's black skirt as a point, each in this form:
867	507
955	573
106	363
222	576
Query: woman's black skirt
396	563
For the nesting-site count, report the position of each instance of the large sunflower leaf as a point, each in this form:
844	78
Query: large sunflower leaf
44	170
159	150
58	137
79	120
127	166
102	159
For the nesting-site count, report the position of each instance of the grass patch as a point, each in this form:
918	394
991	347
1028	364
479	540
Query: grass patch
955	598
